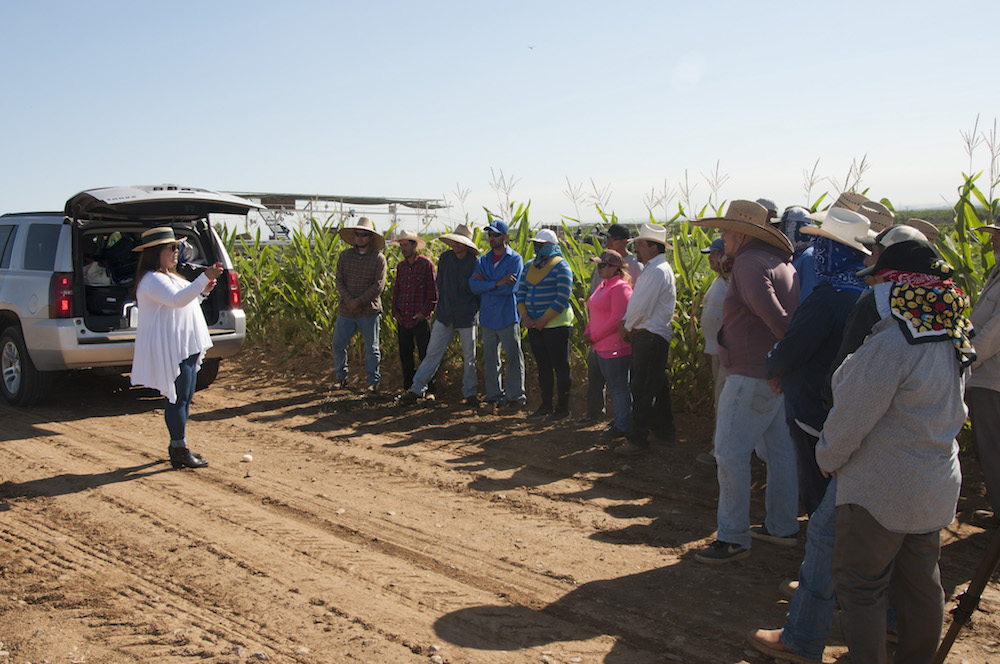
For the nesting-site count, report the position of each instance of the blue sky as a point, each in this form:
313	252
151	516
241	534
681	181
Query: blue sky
423	99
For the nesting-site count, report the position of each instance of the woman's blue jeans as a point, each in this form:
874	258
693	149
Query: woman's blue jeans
616	375
176	414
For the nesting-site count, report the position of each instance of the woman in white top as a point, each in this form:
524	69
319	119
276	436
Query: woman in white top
171	337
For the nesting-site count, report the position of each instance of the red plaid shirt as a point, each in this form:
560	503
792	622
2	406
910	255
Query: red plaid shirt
415	291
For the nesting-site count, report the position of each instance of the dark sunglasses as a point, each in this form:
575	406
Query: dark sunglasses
358	233
493	234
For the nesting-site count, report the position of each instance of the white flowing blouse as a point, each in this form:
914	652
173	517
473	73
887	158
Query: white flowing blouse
171	328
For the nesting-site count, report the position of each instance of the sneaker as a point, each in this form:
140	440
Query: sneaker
985	519
706	458
760	533
408	398
513	405
720	552
371	390
559	414
338	385
612	432
471	401
540	413
628	448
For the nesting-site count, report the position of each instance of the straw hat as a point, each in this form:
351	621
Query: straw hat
842	226
929	230
156	236
461	235
653	233
749	218
849	200
879	215
992	228
363	224
412	237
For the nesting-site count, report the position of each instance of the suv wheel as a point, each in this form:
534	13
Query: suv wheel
21	383
207	373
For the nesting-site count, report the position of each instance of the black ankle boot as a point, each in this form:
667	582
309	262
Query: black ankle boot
181	457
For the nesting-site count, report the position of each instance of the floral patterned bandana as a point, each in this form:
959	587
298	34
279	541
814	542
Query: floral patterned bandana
929	308
838	264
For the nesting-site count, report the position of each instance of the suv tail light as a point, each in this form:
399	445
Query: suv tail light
233	283
61	295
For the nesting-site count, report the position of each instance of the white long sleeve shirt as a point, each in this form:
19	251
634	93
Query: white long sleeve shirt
653	299
171	328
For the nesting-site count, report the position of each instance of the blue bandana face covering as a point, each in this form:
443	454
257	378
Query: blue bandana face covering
837	264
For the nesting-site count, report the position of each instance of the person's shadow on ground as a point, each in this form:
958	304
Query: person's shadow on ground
59	485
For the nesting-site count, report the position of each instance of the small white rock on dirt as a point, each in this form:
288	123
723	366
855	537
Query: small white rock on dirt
247	458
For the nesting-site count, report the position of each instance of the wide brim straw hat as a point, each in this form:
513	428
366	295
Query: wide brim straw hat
412	237
362	224
156	236
461	235
849	200
749	218
652	233
929	230
842	226
879	215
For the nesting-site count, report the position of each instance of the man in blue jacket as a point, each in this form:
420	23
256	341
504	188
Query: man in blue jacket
495	281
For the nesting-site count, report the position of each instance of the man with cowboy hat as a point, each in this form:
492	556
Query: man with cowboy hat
457	311
890	443
495	281
762	296
982	394
648	327
361	271
414	296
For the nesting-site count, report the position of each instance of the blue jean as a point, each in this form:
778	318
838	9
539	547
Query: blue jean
441	336
513	389
810	613
176	414
343	330
615	371
750	412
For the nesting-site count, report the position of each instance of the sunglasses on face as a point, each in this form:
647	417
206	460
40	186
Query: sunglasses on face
492	234
362	233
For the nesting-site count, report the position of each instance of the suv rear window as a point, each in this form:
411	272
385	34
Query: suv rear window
40	252
6	244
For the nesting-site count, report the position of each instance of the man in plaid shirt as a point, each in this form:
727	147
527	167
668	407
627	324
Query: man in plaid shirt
361	274
413	299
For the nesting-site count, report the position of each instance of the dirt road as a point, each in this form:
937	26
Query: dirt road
361	531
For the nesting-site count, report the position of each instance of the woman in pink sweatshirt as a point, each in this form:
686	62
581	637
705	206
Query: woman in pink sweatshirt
607	309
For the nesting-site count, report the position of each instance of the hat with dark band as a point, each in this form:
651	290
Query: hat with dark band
156	236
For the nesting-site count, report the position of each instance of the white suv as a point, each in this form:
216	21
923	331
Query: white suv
67	291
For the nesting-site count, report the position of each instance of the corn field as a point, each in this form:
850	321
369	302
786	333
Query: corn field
290	297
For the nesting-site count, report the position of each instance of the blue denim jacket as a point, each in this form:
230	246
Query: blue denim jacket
497	306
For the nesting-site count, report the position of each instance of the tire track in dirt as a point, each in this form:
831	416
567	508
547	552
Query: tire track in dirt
505	580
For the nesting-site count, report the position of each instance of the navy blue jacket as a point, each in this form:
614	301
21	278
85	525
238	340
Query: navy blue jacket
804	356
